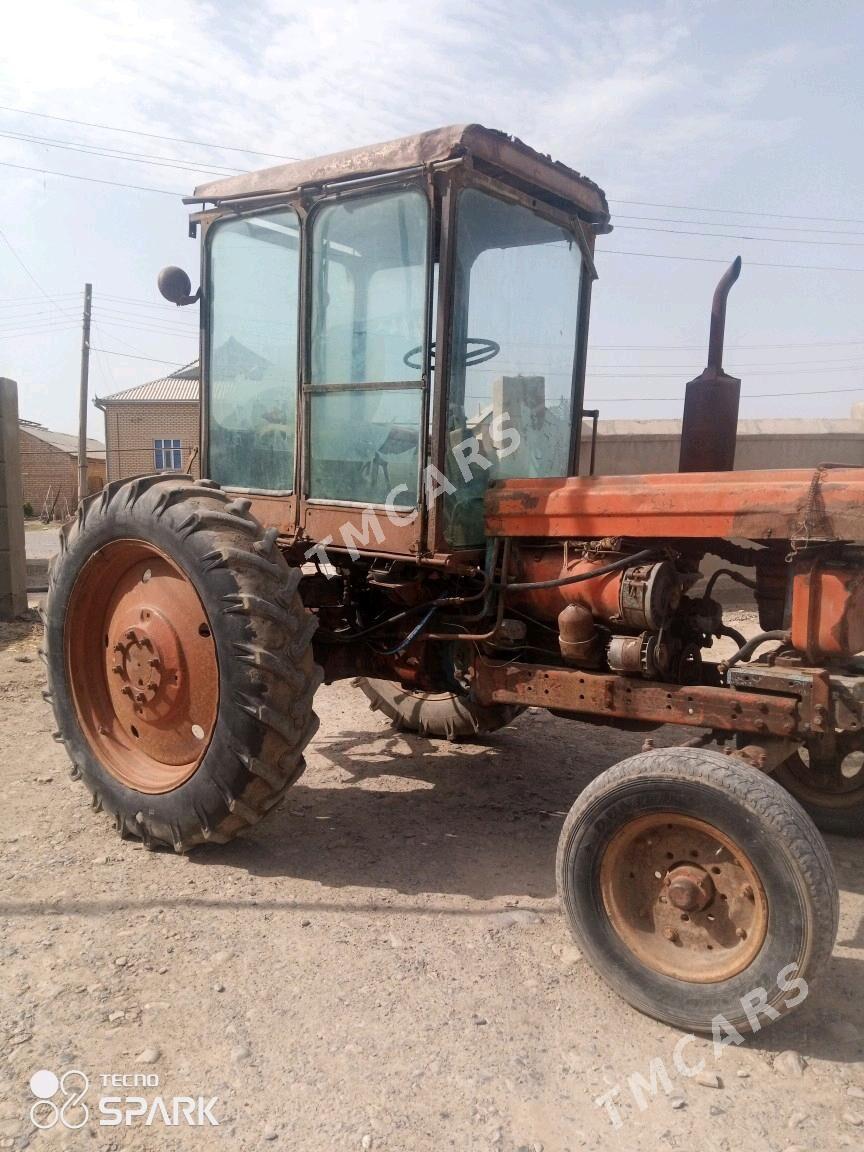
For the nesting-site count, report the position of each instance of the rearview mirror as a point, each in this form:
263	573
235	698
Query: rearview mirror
175	285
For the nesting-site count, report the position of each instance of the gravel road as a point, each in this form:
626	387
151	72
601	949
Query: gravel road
380	965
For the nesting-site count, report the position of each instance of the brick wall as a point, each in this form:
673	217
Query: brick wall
131	431
45	466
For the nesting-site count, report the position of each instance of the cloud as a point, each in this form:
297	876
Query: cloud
302	80
643	100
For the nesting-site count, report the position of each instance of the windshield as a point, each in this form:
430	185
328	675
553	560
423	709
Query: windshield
515	324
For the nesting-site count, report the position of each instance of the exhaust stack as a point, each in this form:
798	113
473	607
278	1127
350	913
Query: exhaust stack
710	425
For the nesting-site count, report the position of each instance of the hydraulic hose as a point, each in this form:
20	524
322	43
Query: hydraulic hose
747	650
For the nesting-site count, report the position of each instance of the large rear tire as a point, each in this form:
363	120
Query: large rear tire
448	715
698	888
179	657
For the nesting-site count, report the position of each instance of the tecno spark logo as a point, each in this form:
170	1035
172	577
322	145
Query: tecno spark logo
70	1109
61	1100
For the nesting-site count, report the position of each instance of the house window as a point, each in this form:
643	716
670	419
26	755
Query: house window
167	455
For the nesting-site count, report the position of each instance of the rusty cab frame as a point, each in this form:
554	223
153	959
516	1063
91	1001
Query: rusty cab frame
440	164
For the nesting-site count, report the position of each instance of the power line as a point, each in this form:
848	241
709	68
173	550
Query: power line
141	303
737	236
49	325
720	260
24	301
180	335
129	356
149	319
32	278
744	396
765	372
111	309
675	347
115	154
738	224
17	317
815	365
736	211
62	328
150	135
605	251
91	179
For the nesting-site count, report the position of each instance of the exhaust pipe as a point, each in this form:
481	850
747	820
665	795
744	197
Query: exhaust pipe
710	425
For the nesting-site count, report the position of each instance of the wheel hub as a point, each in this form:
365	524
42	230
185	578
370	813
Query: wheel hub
689	889
683	897
145	660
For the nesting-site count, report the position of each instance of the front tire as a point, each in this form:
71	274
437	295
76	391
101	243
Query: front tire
179	657
691	881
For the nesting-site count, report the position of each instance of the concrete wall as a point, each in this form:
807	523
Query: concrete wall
13	572
629	447
131	429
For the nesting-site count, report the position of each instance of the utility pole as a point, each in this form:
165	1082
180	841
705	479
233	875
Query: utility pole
82	399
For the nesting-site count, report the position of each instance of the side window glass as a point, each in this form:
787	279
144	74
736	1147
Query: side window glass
254	297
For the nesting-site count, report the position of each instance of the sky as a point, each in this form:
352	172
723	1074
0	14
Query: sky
715	129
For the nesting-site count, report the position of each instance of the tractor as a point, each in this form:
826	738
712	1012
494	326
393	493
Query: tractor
393	344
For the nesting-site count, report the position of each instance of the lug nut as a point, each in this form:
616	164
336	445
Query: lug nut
747	891
741	934
670	934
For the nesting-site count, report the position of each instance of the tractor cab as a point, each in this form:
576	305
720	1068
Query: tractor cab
388	330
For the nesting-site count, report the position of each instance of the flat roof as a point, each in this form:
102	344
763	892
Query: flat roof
65	441
495	149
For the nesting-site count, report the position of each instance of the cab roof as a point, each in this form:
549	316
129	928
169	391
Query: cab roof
494	150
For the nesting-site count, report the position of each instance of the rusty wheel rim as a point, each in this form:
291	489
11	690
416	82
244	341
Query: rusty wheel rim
141	664
683	898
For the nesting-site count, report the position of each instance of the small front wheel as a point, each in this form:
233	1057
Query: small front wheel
698	888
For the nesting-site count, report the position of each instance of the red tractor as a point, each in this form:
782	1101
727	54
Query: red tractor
393	347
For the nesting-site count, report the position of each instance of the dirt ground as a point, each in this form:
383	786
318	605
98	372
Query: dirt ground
382	964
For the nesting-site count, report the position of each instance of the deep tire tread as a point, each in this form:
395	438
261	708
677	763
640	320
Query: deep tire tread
267	672
444	715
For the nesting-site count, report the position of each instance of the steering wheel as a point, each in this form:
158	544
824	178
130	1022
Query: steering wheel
481	351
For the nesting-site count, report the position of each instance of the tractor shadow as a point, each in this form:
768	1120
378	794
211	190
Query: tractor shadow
386	811
400	812
380	809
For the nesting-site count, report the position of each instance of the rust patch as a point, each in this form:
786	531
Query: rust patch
580	691
684	898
